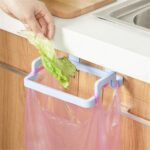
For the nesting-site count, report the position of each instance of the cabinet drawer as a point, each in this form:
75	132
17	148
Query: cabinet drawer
16	51
139	107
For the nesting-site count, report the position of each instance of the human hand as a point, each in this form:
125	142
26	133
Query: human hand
33	13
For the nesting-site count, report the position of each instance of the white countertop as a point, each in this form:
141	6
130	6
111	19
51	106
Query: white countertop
104	43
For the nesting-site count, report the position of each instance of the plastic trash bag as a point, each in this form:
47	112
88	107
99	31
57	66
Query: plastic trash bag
51	124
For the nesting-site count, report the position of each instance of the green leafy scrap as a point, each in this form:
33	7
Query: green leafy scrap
60	68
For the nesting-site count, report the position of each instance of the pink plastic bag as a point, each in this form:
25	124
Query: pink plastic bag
51	124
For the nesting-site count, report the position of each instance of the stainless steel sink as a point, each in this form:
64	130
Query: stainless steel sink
143	19
133	13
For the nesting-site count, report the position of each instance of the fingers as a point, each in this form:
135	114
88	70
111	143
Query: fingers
50	23
41	21
43	25
33	24
51	30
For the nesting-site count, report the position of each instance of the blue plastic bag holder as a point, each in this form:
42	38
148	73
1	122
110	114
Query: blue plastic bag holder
106	77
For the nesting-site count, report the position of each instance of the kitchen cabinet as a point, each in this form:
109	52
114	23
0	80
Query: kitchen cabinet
11	109
16	53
